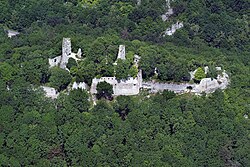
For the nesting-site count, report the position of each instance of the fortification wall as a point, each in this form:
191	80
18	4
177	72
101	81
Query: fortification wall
55	61
131	86
66	51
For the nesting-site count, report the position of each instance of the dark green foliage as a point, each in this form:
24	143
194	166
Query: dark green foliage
35	71
59	78
161	129
122	69
123	106
71	63
212	72
7	72
168	94
104	90
79	99
86	72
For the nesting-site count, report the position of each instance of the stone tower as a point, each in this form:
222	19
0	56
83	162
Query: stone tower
66	51
121	52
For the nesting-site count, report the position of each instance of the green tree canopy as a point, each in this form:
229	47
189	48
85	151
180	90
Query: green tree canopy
122	69
199	74
59	78
79	99
104	90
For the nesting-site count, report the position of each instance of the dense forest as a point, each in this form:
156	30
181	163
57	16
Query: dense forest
162	129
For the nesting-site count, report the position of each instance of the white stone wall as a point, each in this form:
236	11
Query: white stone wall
62	61
170	31
50	92
79	53
55	61
66	51
80	85
111	80
206	85
12	33
136	60
209	85
121	52
131	86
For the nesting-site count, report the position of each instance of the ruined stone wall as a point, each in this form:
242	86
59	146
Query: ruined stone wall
111	80
55	61
126	89
131	86
50	92
12	33
80	85
169	11
121	52
170	31
66	51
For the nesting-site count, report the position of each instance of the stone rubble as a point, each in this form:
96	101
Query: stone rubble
12	33
171	30
169	11
50	92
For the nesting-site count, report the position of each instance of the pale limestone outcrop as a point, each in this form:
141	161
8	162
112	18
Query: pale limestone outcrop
206	85
209	85
50	92
171	30
223	80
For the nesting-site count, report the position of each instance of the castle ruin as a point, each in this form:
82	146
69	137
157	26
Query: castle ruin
67	53
131	86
